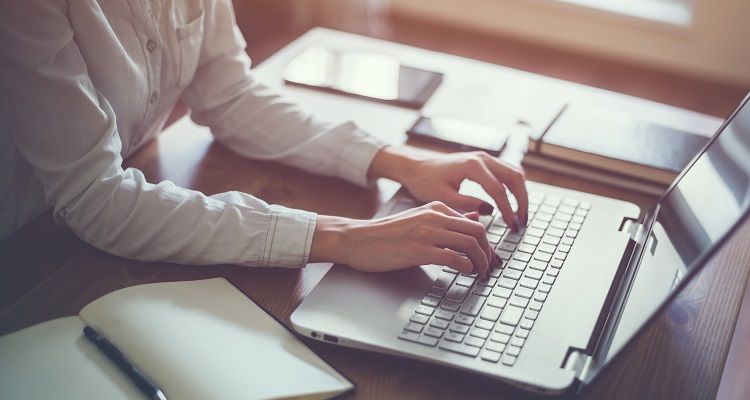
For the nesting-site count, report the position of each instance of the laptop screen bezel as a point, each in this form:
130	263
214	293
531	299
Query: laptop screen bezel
602	361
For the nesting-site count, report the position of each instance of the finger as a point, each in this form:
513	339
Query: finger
465	244
473	228
443	209
515	180
450	259
468	203
474	215
496	190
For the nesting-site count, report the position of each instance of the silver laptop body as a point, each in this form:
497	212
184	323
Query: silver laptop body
586	276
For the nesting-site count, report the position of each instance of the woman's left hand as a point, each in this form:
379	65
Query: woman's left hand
435	176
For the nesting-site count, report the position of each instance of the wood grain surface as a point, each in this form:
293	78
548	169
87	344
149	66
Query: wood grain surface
46	272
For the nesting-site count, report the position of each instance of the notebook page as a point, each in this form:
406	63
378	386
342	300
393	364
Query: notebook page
205	339
53	360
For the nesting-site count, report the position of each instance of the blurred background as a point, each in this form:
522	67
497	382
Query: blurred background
692	54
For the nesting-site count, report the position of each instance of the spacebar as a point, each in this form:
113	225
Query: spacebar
459	348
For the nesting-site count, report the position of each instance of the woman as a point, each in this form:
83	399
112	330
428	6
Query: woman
85	83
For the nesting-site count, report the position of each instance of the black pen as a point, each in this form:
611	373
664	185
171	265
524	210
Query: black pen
146	386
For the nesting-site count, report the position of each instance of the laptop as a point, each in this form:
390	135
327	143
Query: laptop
583	279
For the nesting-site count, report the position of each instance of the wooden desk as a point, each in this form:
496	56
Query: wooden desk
46	272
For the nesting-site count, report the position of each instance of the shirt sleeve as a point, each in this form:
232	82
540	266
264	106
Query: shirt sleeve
65	129
257	122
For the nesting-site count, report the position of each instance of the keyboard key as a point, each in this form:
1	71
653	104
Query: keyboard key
539	296
544	288
450	305
496	302
495	272
538	265
427	340
511	315
504	255
532	240
532	314
585	205
439	323
551	239
533	273
434	332
500	337
506	329
464	319
473	305
563	217
464	280
524	292
488	283
459	348
547	209
463	329
474	341
430	301
436	292
542	256
555	263
568	241
517	265
490	313
552	200
454	337
557	224
519	301
522	333
581	213
571	233
444	280
517	341
419	318
491	356
570	202
535	305
493	239
577	219
508	360
498	221
555	232
507	246
526	248
482	291
564	248
553	272
479	332
484	324
501	292
497	230
424	310
547	248
543	216
410	336
495	346
539	224
512	274
513	238
528	282
527	323
549	280
574	226
413	327
520	256
457	293
506	283
513	351
560	255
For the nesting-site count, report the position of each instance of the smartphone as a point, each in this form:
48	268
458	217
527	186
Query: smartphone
363	74
459	134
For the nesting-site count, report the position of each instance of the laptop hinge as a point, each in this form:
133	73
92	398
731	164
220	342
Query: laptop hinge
578	362
634	229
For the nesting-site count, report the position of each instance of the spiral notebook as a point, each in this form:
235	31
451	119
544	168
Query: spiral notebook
197	340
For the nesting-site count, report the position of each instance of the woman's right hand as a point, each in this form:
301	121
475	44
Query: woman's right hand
430	234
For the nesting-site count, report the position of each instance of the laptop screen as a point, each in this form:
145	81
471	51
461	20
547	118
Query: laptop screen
696	213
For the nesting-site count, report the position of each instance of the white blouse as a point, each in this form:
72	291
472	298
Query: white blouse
85	83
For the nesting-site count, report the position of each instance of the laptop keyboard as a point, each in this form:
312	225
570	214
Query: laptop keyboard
492	319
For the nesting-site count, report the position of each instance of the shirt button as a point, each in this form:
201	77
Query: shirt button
153	98
151	45
62	213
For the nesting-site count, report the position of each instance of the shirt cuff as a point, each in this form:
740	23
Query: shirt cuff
357	155
289	238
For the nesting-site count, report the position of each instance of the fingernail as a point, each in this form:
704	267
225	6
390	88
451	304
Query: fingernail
485	209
